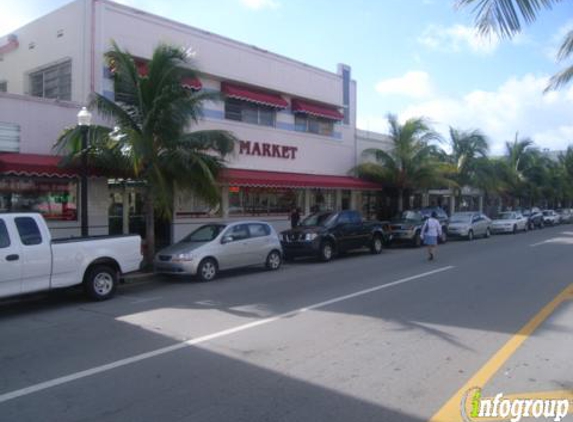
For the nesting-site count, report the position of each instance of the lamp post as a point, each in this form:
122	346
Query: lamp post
84	122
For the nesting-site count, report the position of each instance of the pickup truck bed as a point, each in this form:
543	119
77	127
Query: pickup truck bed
32	261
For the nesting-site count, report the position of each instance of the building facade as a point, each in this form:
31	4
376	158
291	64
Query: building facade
296	123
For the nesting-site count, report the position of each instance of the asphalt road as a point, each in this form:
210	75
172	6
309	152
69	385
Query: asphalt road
390	337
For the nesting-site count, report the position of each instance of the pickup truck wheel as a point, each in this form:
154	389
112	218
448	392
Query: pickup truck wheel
326	251
377	245
207	270
100	282
274	260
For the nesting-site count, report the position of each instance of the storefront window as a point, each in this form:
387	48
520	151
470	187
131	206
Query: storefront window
263	201
322	200
54	199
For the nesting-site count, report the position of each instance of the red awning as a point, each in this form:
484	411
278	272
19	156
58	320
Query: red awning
191	83
13	164
256	178
315	109
186	82
253	95
11	44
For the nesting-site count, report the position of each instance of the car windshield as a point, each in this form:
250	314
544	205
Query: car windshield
409	215
204	233
546	213
507	216
319	219
461	218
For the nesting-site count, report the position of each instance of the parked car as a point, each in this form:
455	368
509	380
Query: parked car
221	246
550	218
469	225
509	222
407	227
33	261
325	234
534	218
565	215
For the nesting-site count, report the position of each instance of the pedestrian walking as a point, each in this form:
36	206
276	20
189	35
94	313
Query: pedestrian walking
431	230
294	217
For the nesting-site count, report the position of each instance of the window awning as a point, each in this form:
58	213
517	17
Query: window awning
12	164
253	95
186	82
11	44
315	109
256	178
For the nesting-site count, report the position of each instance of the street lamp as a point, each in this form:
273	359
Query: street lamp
84	122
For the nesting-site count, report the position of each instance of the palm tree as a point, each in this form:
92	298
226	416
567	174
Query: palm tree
150	141
467	149
412	161
504	17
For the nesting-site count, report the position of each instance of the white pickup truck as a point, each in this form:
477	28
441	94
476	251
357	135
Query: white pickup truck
30	260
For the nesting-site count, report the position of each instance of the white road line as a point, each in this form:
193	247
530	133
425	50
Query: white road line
137	358
540	243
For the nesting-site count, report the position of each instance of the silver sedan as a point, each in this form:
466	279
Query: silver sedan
469	225
221	246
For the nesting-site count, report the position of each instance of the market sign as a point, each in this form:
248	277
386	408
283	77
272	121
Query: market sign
263	149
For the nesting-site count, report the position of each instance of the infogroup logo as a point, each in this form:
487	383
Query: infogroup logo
474	407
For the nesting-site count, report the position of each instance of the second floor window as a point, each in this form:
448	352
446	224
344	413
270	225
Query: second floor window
312	124
244	111
53	82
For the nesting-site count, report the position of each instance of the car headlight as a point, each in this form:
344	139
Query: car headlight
183	257
309	237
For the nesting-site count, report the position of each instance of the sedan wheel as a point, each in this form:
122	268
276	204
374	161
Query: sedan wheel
207	270
514	229
487	233
376	247
326	251
470	235
274	260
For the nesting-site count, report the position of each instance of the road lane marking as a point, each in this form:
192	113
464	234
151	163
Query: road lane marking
450	412
158	352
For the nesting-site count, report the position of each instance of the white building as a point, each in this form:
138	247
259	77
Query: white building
296	122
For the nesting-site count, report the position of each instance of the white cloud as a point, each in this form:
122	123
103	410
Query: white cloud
260	4
557	39
415	84
518	105
458	38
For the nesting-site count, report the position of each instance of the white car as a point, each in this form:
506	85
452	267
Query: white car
221	246
551	218
32	261
509	222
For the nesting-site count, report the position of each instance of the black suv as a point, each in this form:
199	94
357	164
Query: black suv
325	234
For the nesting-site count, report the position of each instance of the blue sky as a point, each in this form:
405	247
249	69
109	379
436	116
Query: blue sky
409	57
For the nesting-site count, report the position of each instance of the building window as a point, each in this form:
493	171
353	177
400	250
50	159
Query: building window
53	82
322	200
244	111
3	86
312	124
9	137
54	199
264	201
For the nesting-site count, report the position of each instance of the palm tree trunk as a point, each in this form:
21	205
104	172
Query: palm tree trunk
400	200
149	229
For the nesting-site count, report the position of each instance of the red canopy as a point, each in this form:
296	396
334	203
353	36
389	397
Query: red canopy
315	109
191	83
253	95
186	82
34	165
256	178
